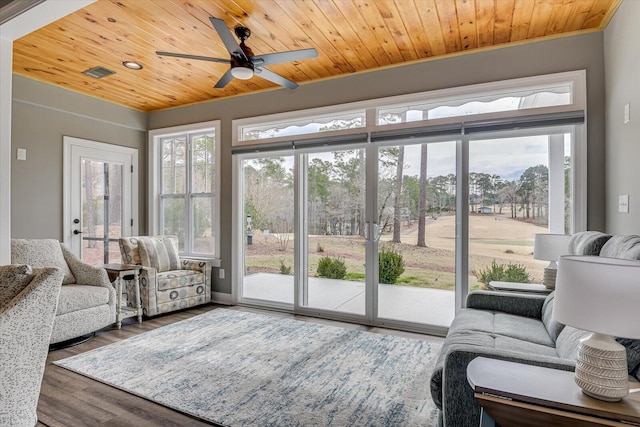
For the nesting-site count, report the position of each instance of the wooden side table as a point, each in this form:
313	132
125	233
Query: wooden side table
519	287
515	394
118	273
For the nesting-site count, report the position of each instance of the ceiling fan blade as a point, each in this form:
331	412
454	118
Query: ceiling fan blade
224	80
277	58
199	58
275	78
228	38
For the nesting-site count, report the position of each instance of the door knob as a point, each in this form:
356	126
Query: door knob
77	232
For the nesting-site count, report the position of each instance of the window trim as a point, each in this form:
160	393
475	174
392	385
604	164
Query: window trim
576	79
154	184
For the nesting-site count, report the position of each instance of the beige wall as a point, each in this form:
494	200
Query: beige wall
566	54
622	83
41	115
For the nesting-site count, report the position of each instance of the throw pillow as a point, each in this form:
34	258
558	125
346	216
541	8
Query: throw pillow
13	279
41	253
160	253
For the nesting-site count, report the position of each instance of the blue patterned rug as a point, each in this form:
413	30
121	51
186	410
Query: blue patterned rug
245	369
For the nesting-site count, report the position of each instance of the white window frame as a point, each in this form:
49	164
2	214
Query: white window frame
155	184
577	80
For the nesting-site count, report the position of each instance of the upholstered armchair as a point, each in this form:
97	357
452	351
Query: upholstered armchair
87	297
167	282
28	300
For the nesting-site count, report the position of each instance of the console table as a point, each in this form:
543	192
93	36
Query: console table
515	394
519	287
117	273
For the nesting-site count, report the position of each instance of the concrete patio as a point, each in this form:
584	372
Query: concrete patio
397	302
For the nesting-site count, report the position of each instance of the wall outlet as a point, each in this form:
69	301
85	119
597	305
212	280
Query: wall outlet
623	203
627	112
221	273
21	154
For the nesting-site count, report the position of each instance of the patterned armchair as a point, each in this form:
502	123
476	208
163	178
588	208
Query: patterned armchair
87	298
167	282
28	300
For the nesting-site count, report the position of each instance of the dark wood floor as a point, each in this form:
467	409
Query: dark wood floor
68	399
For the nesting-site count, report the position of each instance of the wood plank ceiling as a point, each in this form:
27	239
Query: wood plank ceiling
350	36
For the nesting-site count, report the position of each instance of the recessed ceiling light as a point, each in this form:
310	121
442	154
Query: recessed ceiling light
132	65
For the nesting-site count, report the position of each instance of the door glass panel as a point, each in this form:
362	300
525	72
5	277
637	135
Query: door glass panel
509	203
268	229
102	212
417	223
335	231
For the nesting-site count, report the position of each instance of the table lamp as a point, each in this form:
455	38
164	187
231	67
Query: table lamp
549	247
600	295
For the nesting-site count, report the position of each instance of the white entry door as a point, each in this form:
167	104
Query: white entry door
100	198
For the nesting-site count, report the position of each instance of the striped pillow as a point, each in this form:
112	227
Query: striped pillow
160	253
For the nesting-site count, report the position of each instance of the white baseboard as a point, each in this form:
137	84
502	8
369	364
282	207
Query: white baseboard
222	298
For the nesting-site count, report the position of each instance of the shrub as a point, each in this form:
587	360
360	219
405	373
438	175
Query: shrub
331	268
503	273
390	265
284	269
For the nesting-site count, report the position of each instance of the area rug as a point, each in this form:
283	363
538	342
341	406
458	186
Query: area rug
245	369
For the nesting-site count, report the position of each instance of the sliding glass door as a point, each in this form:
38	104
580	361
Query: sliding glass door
334	231
268	230
416	254
389	211
519	185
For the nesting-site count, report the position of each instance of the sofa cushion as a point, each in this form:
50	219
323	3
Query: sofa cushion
13	279
625	247
587	242
502	324
129	250
482	340
80	297
41	253
568	341
552	326
179	278
160	253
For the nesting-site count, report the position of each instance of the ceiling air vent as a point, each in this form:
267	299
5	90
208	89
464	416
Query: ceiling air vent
98	72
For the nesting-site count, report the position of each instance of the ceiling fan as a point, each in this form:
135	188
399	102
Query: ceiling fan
244	64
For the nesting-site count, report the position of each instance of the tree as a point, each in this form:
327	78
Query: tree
397	193
422	206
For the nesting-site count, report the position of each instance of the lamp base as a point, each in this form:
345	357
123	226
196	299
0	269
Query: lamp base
601	368
549	277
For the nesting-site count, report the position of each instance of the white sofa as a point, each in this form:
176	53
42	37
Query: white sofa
28	300
87	299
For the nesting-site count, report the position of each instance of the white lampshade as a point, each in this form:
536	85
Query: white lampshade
599	294
550	247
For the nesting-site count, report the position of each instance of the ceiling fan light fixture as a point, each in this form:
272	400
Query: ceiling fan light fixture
242	72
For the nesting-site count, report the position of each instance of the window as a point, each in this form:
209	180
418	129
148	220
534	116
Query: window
184	184
394	207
